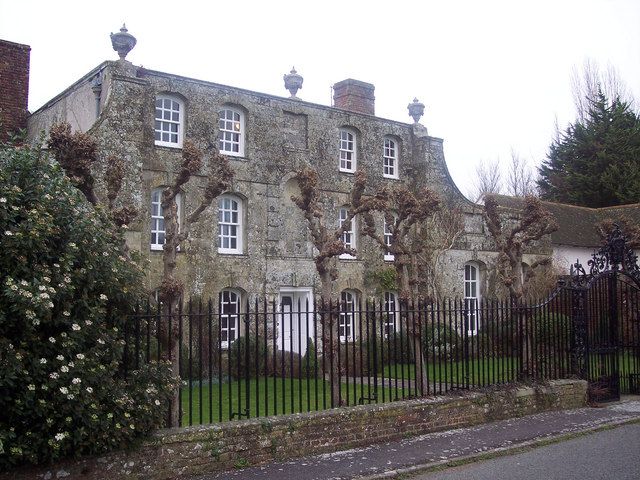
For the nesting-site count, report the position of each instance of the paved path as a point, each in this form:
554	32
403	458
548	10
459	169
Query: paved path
391	459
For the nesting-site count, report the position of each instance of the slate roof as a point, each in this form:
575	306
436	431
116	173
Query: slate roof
577	226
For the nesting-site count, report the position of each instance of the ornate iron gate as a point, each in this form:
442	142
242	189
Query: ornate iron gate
606	320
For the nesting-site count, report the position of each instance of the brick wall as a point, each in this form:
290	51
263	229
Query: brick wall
196	450
14	87
355	96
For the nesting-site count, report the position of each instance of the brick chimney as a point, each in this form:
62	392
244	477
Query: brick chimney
355	96
14	87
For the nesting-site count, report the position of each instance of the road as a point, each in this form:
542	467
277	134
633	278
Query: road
610	454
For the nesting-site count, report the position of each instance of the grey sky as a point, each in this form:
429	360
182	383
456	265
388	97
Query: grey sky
494	75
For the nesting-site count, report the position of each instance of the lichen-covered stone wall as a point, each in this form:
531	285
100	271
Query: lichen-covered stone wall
280	136
197	450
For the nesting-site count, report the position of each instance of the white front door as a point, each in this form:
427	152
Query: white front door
295	319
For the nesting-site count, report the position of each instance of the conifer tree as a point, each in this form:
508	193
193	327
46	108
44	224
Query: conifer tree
596	161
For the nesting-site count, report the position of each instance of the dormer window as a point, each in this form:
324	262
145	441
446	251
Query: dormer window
169	121
348	153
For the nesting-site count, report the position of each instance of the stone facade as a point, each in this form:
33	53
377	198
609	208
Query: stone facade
116	104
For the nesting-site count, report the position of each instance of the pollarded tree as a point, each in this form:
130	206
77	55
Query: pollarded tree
327	238
512	237
596	161
404	210
219	176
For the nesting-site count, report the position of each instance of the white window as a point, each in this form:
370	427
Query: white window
388	257
229	311
158	230
348	152
231	136
349	236
169	122
229	224
346	325
390	309
471	298
390	159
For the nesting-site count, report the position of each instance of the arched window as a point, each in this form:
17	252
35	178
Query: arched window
390	310
231	132
169	121
390	158
349	236
348	306
471	298
230	225
229	312
158	230
348	151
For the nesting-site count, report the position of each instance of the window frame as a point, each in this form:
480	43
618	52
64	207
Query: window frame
241	133
159	216
471	298
386	233
347	316
239	226
388	157
227	316
180	122
351	234
390	323
348	148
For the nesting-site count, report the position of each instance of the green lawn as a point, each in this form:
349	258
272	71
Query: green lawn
475	372
272	396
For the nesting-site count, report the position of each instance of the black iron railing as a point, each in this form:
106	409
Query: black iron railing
264	358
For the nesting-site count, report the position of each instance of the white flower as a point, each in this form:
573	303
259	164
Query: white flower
44	296
53	375
75	327
157	402
71	364
72	245
64	390
105	254
64	369
52	340
103	297
46	279
66	313
42	288
14	287
24	283
43	361
8	233
36	322
76	381
60	436
71	396
60	357
31	387
88	322
80	356
3	200
89	389
101	341
56	265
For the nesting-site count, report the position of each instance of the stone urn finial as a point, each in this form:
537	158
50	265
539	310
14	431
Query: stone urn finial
416	110
123	42
293	82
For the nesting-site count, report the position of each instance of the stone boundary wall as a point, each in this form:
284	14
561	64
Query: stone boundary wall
197	450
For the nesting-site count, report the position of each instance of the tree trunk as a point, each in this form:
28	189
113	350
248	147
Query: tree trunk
331	338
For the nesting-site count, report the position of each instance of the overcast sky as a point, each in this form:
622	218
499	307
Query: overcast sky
494	75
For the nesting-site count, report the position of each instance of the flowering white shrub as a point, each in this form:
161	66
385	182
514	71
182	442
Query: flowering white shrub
63	304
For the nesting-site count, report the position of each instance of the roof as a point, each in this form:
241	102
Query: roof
577	226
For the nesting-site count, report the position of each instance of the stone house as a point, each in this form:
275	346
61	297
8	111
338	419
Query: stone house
254	242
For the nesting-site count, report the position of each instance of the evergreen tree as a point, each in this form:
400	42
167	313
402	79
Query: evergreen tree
596	161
